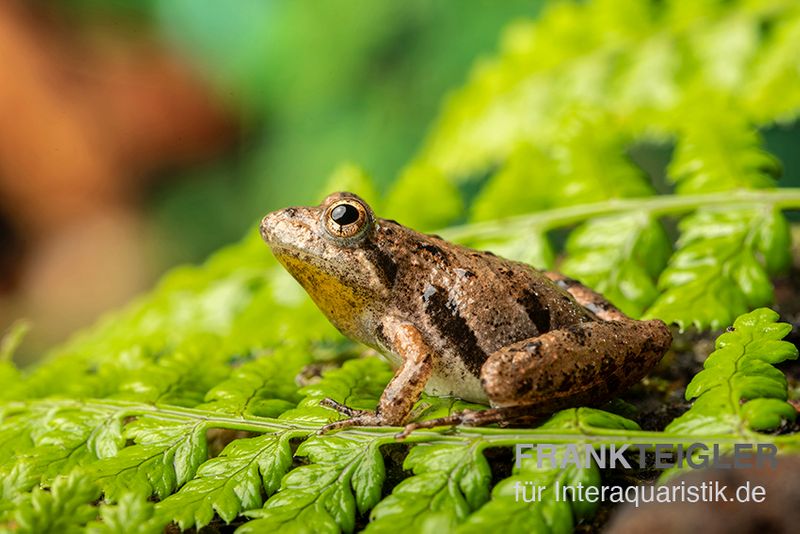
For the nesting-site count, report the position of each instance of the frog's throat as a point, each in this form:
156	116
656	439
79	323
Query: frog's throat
342	304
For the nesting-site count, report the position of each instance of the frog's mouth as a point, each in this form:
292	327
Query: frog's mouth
294	241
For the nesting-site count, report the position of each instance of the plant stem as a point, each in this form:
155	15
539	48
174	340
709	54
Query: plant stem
489	437
656	206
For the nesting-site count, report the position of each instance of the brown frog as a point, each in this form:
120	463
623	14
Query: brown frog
456	321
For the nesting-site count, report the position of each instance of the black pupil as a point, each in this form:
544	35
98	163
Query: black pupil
344	214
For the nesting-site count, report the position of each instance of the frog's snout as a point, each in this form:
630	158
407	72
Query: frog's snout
267	225
286	227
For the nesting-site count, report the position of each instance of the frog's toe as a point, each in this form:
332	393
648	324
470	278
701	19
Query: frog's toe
364	418
341	408
336	425
450	420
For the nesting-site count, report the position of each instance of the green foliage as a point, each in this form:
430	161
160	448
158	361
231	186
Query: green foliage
346	476
418	186
131	515
725	255
8	345
164	456
719	152
231	482
620	256
65	508
264	386
738	388
59	454
449	482
508	511
190	396
722	265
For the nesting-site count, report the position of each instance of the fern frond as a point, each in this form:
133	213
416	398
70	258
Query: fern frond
620	257
738	388
719	151
265	387
506	511
449	482
772	93
232	482
165	455
721	268
64	508
357	383
345	475
41	442
131	515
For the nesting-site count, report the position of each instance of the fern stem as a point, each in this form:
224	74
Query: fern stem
480	437
656	206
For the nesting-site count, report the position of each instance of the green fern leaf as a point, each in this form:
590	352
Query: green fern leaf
37	444
620	257
263	387
449	482
775	72
181	379
722	265
133	514
718	151
345	475
429	407
521	185
532	248
65	508
165	456
570	173
507	512
10	340
358	384
415	188
232	482
739	388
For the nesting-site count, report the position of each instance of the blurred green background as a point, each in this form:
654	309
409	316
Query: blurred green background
315	84
177	124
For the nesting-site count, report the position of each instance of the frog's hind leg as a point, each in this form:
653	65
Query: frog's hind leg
586	363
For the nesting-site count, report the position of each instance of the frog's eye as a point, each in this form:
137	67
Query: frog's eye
346	218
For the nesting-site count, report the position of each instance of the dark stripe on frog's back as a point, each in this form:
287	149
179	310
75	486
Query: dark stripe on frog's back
547	305
450	324
538	314
523	302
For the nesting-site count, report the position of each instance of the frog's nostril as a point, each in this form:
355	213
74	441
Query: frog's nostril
266	226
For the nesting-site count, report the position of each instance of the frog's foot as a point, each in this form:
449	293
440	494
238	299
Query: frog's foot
355	417
470	418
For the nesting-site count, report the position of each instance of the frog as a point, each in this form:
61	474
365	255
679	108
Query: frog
458	322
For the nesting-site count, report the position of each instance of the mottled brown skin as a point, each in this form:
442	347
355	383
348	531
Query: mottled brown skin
455	321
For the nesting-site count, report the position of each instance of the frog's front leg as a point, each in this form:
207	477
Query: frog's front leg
403	390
